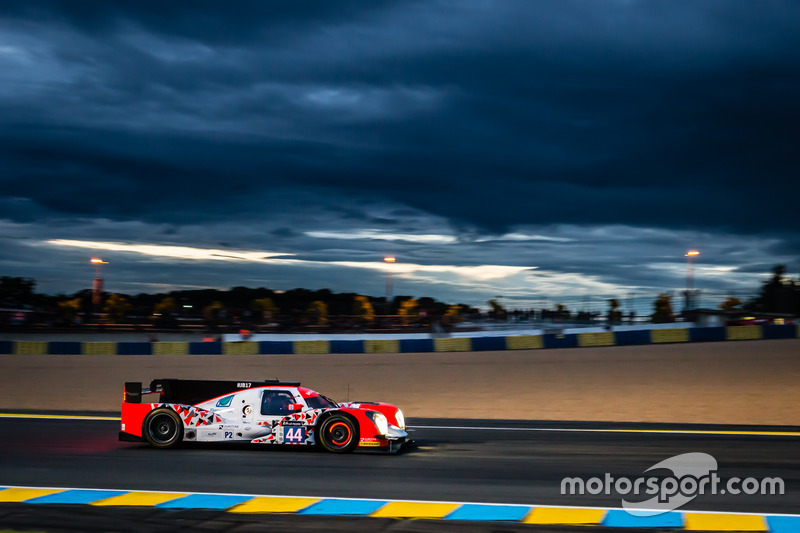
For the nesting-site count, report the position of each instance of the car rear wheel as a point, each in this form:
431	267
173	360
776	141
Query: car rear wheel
163	428
338	434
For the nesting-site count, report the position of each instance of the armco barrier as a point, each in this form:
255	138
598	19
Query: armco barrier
240	348
100	348
525	342
554	340
744	333
658	336
416	345
452	344
632	338
205	348
134	348
707	334
778	332
312	347
170	348
347	346
275	347
381	345
441	344
64	348
30	347
602	338
488	344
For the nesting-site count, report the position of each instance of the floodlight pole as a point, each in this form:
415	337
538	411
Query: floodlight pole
97	285
389	259
690	255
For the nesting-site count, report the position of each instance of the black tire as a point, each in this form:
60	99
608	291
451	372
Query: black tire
338	434
163	428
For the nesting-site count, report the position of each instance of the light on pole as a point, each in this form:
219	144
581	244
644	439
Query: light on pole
690	255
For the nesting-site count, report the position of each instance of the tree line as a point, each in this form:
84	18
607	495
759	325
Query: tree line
240	306
298	308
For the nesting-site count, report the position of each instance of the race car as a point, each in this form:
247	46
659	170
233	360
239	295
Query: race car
265	412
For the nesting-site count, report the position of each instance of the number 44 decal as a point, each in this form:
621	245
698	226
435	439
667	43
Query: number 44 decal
294	435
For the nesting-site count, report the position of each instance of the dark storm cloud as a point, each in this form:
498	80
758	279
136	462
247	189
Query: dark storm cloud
203	20
490	115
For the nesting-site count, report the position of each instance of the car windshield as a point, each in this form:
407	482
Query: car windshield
320	402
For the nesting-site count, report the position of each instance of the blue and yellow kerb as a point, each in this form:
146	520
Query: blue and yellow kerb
313	506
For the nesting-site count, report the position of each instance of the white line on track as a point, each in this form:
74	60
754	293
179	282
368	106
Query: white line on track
612	430
489	428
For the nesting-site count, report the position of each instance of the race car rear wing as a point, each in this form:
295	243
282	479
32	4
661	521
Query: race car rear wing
192	391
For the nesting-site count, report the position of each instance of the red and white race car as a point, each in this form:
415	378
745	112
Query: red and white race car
266	412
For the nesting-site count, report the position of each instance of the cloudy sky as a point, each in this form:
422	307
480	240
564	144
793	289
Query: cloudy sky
534	149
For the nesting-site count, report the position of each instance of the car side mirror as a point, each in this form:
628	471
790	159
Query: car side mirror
295	406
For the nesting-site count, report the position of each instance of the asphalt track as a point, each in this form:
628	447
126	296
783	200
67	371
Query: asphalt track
657	389
486	461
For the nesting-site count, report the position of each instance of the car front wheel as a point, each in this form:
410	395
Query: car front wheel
338	434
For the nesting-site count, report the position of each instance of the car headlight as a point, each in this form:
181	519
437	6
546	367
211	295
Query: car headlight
380	422
401	420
